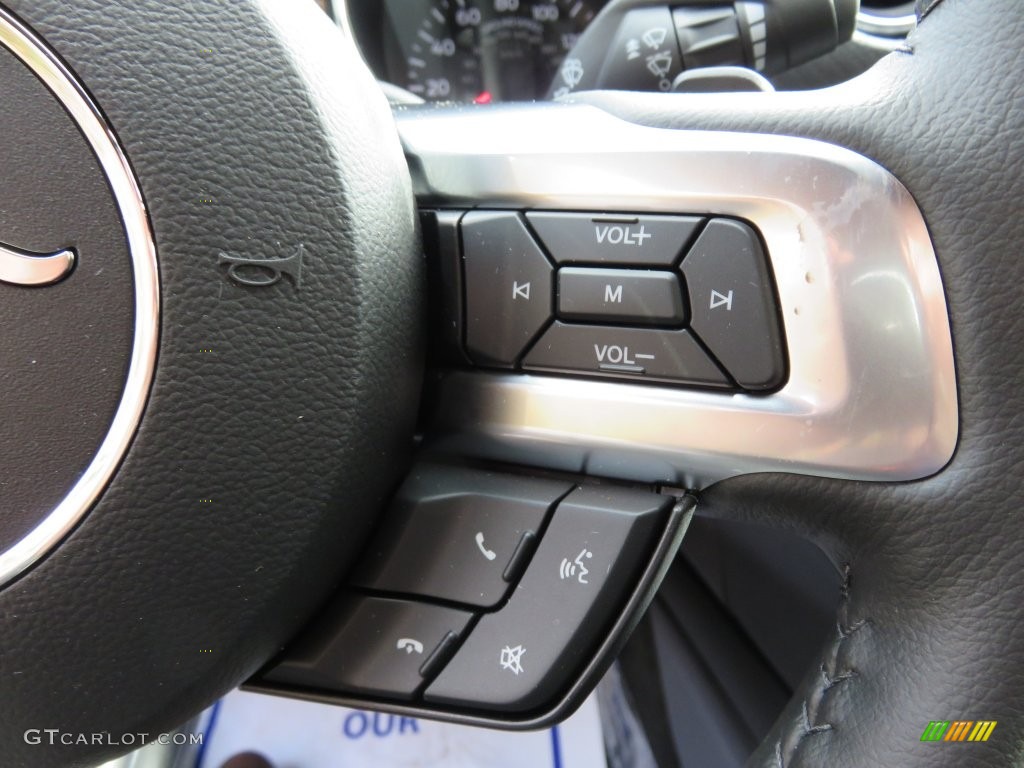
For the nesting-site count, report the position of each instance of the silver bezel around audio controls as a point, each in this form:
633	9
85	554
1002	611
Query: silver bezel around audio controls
871	392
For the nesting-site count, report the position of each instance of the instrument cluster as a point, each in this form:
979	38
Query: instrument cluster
478	51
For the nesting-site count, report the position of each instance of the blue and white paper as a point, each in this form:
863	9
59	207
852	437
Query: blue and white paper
299	734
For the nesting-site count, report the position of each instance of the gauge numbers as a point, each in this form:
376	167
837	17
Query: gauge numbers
485	50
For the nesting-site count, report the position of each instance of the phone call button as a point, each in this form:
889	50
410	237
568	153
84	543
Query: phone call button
457	534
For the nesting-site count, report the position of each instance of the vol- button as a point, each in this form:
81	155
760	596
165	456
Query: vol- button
655	355
509	287
619	359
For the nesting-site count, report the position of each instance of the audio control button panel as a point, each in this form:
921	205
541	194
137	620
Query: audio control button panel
678	299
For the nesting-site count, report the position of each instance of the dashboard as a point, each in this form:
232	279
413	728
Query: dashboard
479	51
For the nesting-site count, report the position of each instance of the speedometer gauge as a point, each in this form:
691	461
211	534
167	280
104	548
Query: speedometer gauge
483	50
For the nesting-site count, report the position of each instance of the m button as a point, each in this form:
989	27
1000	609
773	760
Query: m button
634	296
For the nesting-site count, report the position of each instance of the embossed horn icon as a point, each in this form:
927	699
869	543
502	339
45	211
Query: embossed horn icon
261	273
19	267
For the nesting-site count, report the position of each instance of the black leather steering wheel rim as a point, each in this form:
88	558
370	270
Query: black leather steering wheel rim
929	623
928	627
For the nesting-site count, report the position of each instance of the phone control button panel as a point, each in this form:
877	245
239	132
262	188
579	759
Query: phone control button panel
523	656
484	594
458	535
373	646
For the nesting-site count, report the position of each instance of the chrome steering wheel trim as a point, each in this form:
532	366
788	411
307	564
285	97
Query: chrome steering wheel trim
76	101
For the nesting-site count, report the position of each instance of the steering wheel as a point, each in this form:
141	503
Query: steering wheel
202	422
